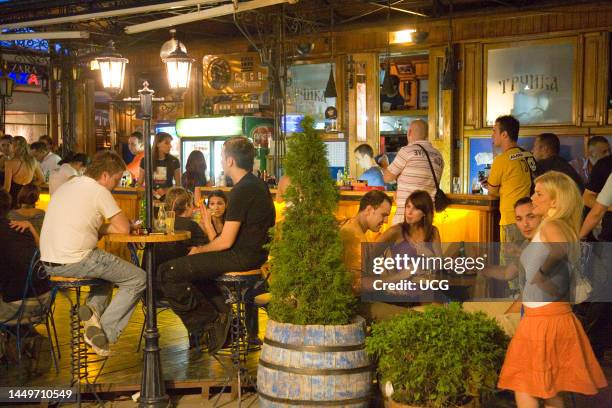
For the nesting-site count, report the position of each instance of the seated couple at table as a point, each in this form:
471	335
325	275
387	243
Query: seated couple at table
188	283
416	233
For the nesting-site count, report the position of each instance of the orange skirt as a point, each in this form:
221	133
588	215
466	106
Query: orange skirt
550	353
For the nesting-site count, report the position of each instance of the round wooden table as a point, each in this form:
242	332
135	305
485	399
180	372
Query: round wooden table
151	238
152	391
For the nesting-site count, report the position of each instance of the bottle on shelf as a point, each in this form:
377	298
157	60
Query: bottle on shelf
339	177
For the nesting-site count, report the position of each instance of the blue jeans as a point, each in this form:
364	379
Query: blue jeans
130	279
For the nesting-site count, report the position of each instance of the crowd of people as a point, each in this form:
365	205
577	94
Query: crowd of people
541	195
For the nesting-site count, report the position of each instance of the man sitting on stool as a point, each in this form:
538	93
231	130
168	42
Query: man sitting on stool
240	247
68	248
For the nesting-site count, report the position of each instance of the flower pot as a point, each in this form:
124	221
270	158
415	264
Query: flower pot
303	365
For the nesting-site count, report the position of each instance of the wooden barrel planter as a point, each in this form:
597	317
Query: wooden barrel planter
314	366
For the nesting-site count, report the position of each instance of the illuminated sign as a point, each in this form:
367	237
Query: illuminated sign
221	126
26	76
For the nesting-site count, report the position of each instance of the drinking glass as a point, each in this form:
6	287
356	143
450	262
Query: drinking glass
170	217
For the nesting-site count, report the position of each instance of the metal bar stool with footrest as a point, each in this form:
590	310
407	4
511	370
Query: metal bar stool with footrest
236	287
78	348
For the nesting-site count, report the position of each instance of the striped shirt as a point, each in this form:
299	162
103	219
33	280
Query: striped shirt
413	173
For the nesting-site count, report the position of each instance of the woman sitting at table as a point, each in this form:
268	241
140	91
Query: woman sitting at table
166	168
180	201
21	169
416	235
26	212
213	214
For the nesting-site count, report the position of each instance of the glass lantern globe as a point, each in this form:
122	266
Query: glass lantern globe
112	68
178	64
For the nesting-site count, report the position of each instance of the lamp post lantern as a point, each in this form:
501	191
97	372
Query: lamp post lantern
178	65
112	68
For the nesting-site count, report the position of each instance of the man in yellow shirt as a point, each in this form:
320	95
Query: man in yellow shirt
510	177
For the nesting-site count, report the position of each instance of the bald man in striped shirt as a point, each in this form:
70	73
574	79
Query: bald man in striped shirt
411	168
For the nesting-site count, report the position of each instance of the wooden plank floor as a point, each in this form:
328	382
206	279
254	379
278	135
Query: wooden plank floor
184	368
124	367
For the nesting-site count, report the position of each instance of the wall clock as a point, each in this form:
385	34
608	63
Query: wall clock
218	73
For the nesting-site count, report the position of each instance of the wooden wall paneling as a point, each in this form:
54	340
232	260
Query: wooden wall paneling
594	89
372	107
440	114
85	117
471	85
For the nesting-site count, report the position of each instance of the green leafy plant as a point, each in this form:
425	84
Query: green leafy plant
442	357
310	284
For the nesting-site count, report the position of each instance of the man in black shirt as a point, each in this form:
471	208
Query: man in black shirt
546	150
240	247
16	252
599	176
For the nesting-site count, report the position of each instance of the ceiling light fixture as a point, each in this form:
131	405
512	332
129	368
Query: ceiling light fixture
45	35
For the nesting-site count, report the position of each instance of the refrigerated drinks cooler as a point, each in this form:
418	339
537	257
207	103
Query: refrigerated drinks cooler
209	134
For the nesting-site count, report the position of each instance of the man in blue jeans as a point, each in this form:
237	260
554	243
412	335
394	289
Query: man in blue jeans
188	282
68	246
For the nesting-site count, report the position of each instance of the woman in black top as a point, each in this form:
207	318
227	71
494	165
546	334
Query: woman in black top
195	171
166	168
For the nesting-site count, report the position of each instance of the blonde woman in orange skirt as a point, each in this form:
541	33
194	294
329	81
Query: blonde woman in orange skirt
550	351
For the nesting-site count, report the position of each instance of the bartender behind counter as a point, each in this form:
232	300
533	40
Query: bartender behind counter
394	100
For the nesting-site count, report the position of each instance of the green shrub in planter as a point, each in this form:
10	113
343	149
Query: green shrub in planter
310	284
442	357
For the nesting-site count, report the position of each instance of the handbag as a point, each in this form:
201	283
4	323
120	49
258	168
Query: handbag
441	201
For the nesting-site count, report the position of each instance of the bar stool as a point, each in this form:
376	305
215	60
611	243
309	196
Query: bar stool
235	287
78	348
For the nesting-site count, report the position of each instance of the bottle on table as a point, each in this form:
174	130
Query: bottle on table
476	186
160	225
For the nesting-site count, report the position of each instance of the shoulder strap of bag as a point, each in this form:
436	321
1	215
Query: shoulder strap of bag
433	173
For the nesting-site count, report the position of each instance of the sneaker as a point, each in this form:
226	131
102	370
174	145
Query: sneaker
218	333
89	317
96	339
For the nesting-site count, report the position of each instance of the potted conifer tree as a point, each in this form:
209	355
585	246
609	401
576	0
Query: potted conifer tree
314	346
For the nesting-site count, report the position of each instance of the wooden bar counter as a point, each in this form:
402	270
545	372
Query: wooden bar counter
469	218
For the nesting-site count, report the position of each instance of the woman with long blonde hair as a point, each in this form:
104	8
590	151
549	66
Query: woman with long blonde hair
550	352
22	169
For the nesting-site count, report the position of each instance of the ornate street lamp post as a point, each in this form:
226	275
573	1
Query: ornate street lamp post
112	68
6	91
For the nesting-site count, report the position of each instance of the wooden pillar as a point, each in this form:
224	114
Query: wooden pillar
85	128
369	62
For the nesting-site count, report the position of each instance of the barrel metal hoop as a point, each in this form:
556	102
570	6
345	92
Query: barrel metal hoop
316	371
274	343
365	398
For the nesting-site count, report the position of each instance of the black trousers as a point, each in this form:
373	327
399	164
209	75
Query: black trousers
188	284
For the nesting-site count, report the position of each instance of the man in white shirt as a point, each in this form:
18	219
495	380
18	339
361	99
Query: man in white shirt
411	167
49	161
68	246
